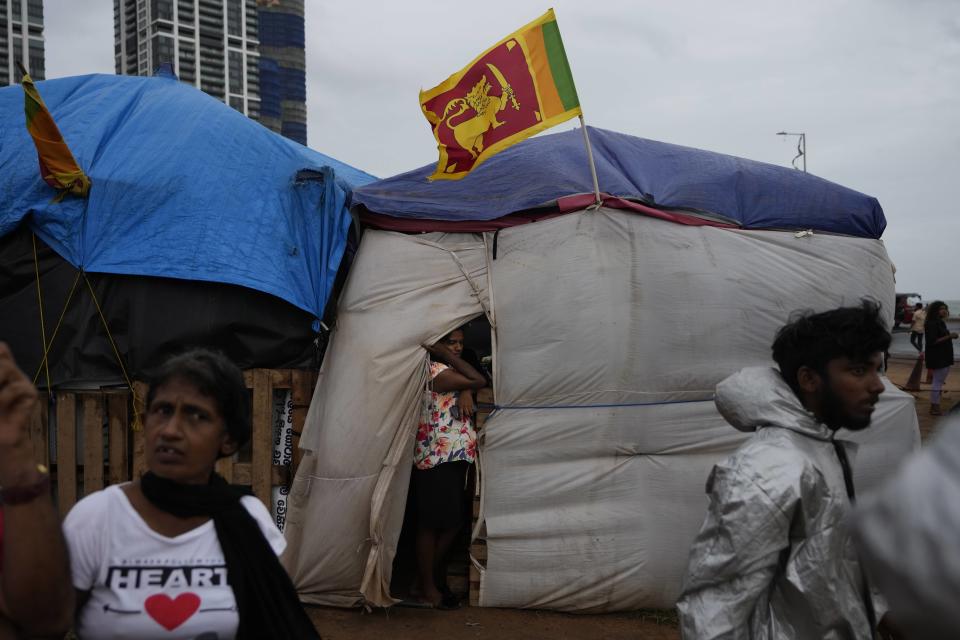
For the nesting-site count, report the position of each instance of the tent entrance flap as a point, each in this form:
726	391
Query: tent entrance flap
402	292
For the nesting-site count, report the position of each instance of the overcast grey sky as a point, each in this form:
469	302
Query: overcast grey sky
875	85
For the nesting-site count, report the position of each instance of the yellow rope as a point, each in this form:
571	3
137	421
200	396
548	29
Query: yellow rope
137	425
56	330
43	326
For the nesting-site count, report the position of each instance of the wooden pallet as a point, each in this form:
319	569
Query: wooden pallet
85	437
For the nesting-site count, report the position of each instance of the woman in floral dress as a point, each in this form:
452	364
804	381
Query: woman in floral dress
446	447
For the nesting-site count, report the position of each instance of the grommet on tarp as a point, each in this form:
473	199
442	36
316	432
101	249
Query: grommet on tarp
496	234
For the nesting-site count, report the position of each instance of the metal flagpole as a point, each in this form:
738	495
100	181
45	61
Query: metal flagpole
593	167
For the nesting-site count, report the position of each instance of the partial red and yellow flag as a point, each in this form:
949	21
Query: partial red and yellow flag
58	168
516	88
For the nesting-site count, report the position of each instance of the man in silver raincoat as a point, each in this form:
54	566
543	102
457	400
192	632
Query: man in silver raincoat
773	559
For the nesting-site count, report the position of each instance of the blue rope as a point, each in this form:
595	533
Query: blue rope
497	407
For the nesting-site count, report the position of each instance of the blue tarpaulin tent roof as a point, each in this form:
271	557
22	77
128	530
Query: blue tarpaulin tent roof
540	170
183	187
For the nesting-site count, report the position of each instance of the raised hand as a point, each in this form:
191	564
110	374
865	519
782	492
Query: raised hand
17	399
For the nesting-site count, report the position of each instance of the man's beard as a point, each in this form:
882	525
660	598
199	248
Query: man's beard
833	415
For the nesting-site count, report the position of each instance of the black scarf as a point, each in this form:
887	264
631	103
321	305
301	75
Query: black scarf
267	602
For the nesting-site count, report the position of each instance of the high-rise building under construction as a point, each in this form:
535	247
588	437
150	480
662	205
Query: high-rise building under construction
21	40
248	53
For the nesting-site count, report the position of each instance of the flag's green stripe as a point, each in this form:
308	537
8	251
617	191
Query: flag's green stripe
559	66
32	108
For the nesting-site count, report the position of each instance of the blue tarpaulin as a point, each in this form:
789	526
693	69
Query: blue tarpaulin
183	187
540	170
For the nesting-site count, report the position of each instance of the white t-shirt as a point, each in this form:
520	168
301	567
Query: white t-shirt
145	585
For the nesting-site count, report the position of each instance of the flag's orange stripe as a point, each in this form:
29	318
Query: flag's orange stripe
540	65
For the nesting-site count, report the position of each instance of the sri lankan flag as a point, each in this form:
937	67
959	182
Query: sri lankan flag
516	88
58	168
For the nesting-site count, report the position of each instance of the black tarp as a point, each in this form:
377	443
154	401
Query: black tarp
148	318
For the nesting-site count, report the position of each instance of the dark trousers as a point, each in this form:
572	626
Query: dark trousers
916	339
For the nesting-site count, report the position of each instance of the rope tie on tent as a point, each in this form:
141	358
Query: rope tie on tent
56	329
476	289
137	424
44	361
498	407
43	326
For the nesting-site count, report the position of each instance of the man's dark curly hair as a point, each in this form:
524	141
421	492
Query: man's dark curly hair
214	375
814	339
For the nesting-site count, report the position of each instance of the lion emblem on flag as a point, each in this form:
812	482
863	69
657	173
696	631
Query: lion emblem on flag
469	132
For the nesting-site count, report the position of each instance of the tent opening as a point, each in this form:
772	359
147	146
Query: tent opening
455	566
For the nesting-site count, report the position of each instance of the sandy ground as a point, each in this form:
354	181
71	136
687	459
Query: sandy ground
512	624
899	373
488	624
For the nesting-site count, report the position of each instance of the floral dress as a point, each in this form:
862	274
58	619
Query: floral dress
441	437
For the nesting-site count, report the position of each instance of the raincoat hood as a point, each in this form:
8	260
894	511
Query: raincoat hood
759	397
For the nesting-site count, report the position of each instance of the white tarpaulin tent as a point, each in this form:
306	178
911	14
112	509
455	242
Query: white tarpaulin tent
610	332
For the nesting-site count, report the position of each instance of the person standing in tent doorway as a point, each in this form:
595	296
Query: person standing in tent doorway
774	558
446	446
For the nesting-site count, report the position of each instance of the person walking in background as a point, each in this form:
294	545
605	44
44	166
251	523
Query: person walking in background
36	597
939	351
773	559
916	327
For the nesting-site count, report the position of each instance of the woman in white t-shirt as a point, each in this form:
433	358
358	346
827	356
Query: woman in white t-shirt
180	553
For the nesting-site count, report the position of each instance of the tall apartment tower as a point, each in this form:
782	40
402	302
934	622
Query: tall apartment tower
211	44
283	83
21	40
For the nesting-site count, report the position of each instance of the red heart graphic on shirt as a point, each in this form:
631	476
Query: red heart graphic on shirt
169	612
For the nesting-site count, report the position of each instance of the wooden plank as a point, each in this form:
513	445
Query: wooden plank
92	442
117	416
66	452
40	430
262	439
282	378
243	474
301	391
226	468
139	466
474	586
479	551
279	377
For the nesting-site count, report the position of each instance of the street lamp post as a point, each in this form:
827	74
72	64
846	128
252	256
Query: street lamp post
801	148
